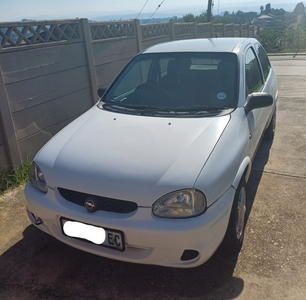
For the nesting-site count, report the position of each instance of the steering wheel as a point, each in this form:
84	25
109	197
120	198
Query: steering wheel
149	94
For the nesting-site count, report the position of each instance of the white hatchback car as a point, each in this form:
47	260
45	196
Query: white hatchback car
155	173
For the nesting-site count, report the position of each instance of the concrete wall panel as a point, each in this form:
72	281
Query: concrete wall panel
112	50
39	117
35	62
3	158
111	56
34	91
184	37
31	144
3	153
154	41
1	138
106	73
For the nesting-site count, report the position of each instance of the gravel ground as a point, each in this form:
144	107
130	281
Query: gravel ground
271	265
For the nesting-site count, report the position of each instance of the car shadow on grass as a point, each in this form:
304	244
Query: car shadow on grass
40	267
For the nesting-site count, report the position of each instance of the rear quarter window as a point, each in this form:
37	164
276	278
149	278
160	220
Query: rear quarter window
264	60
253	78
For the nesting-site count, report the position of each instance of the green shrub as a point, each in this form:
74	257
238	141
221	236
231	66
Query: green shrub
288	40
16	176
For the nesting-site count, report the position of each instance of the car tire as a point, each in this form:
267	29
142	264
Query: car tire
270	131
234	235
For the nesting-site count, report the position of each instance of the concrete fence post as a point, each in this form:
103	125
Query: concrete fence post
7	126
223	29
233	30
195	30
138	35
172	31
240	29
87	40
211	29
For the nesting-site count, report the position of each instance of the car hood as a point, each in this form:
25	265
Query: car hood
129	157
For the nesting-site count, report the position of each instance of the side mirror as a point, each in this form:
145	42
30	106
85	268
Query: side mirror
101	91
258	100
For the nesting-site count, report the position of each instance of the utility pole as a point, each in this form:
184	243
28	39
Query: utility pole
209	10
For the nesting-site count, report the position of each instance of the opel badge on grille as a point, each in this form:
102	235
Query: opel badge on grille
90	204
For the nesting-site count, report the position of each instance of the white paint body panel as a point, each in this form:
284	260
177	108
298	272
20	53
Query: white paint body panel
149	240
136	158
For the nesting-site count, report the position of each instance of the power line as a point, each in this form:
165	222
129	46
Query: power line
142	9
155	11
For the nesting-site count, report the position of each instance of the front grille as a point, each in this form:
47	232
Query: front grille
103	203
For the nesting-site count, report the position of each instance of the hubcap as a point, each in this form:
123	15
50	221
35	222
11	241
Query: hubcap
241	210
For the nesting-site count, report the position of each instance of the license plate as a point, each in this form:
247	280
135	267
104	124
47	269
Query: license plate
105	237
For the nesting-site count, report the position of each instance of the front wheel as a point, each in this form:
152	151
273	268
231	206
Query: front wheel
233	239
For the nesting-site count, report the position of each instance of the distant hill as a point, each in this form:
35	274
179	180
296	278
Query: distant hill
163	14
154	20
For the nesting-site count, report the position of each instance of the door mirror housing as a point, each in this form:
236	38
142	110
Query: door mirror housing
258	100
101	91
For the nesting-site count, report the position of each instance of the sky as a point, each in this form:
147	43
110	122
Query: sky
15	10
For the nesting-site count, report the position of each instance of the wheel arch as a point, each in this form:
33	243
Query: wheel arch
243	171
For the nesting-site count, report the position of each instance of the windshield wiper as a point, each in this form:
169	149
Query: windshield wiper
142	109
131	106
145	109
200	108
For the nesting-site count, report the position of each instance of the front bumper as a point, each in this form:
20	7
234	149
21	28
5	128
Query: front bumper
149	240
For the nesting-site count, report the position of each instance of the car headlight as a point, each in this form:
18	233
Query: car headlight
37	178
180	204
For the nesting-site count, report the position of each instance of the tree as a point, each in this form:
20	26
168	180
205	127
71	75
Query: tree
250	16
300	15
189	17
202	18
299	9
303	22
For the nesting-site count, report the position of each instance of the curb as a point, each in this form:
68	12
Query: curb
286	54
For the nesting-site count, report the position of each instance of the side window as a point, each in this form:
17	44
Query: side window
253	79
264	60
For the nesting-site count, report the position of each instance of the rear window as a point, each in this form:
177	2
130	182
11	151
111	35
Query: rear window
205	64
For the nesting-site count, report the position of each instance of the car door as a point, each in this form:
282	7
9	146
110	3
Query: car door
270	81
254	83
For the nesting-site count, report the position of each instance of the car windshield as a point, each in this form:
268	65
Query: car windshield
175	83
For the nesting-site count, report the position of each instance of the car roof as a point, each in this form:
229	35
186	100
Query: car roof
199	45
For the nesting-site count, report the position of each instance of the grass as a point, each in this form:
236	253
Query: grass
16	176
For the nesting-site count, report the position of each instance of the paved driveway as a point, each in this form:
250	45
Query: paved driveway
271	265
